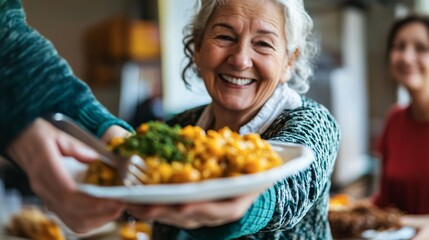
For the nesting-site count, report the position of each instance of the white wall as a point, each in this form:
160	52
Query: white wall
423	6
350	99
174	15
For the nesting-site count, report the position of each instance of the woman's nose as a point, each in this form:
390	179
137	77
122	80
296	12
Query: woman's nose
240	57
408	55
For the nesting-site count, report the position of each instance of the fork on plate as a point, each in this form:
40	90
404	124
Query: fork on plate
129	169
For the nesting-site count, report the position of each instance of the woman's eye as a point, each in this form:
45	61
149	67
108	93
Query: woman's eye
225	37
398	47
264	44
421	49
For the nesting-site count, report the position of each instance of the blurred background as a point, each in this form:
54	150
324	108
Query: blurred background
130	53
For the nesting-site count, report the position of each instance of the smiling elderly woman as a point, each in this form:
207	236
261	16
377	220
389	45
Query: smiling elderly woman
254	59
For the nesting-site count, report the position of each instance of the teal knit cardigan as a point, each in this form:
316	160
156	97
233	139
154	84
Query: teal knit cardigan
35	81
295	207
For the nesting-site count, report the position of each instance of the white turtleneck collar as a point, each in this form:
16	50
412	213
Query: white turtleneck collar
283	98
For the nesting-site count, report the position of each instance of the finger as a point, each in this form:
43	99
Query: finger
422	235
186	224
114	131
80	212
179	220
224	210
58	180
185	216
168	214
415	220
212	213
39	152
149	212
72	147
59	192
91	213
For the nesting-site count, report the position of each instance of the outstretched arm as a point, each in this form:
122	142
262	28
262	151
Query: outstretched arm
35	80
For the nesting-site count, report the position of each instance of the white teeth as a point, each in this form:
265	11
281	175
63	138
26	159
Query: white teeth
237	81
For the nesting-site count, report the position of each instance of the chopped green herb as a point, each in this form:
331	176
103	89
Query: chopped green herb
159	140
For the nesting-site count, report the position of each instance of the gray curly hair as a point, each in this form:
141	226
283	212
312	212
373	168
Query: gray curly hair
299	37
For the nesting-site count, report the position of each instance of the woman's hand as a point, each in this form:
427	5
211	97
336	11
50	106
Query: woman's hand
194	215
420	222
40	151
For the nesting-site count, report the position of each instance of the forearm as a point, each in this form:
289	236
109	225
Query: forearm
35	81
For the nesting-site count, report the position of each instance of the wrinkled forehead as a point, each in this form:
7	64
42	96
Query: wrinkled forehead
268	10
264	13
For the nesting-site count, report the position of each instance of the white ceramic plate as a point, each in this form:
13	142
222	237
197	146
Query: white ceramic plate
403	233
295	158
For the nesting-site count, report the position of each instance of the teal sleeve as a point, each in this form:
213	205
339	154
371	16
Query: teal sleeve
35	81
256	218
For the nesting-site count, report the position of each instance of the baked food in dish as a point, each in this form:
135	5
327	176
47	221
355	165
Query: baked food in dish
348	218
32	223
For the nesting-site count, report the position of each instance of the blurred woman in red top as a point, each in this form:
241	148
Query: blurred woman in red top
404	145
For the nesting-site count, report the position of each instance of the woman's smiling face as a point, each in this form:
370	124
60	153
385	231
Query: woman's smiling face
242	56
409	57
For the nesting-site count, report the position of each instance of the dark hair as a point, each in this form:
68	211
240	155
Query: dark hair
400	23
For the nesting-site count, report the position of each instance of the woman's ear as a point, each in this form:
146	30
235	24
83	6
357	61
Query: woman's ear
287	73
